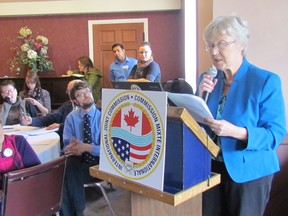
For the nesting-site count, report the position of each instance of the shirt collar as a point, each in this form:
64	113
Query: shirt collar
91	112
126	61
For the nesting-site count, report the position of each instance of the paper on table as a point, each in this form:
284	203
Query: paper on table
195	105
10	128
40	131
77	75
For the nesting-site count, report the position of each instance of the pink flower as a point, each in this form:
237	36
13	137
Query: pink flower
37	45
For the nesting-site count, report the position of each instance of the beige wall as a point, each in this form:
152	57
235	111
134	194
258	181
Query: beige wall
268	45
27	7
205	15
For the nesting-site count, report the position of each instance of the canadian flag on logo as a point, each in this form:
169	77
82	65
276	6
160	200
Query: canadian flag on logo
131	134
132	120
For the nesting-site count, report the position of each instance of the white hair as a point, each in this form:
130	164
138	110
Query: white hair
231	26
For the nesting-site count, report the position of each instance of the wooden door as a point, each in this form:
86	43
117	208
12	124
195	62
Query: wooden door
105	35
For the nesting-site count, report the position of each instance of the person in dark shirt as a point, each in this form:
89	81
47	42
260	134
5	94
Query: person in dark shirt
146	70
34	93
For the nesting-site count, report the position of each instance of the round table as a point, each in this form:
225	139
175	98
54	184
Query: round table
45	143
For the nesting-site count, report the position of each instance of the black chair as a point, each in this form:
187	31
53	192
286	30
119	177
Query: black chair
35	190
178	85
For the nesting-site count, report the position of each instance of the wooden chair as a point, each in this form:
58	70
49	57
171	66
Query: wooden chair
35	190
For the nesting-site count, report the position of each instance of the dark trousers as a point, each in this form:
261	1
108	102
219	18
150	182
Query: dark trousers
77	173
236	199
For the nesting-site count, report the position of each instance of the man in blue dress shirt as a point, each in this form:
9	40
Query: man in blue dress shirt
77	168
121	67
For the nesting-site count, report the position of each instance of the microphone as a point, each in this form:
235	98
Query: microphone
212	72
7	100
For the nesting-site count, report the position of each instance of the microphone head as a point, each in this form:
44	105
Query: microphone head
7	100
212	72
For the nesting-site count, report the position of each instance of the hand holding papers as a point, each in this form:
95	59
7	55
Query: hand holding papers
195	105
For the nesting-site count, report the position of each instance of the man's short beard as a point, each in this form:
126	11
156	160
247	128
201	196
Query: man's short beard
87	105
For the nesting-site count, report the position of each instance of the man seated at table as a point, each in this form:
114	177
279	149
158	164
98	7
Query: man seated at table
81	138
55	119
14	107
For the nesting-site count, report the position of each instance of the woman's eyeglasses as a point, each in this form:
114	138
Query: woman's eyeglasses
218	46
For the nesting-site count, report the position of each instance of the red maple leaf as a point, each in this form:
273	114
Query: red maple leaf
131	119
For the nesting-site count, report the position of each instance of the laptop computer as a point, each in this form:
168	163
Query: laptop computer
144	86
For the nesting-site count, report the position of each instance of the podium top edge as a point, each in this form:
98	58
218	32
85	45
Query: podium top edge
165	197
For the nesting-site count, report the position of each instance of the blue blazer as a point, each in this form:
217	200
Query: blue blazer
255	101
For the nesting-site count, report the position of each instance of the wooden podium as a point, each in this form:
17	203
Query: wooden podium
183	183
148	201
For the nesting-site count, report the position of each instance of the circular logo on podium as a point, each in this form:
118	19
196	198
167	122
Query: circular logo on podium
132	134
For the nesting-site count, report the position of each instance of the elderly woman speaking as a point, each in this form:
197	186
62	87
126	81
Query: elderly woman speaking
249	121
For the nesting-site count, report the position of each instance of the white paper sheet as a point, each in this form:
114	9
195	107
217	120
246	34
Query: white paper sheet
41	131
195	105
11	128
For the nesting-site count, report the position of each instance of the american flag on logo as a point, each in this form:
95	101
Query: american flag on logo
131	135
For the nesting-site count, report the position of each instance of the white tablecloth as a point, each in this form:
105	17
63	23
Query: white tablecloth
46	145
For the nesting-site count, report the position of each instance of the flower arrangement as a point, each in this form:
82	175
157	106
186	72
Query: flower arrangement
33	53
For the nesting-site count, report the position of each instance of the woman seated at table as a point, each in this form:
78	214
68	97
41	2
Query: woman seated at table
14	107
33	92
146	70
16	153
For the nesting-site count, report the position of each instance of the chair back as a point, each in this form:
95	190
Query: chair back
178	85
35	190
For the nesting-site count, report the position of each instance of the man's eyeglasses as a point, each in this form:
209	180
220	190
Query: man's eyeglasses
8	91
82	94
219	46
